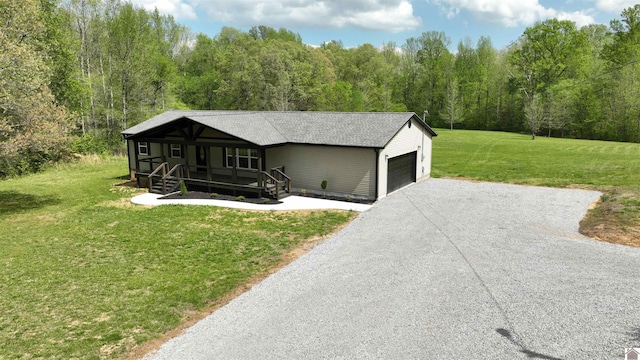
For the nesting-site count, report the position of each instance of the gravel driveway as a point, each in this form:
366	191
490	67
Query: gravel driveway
443	269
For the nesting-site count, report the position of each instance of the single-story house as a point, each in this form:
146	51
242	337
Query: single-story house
360	155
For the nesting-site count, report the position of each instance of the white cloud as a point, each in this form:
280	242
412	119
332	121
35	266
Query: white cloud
384	15
180	9
615	6
511	13
581	18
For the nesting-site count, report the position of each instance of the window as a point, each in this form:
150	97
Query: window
143	148
176	151
245	158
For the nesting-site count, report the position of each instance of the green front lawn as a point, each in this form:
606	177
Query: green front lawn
85	274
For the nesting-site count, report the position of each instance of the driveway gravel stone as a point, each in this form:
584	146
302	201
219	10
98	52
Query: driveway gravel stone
442	269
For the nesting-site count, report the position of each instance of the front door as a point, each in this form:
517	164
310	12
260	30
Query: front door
201	158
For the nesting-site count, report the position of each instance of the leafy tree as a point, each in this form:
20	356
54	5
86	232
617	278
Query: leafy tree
201	79
452	111
166	43
623	54
58	43
33	128
466	72
436	69
489	85
115	64
547	52
561	99
341	96
534	114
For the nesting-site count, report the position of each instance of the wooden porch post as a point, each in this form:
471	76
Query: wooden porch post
186	159
234	171
208	159
135	156
260	168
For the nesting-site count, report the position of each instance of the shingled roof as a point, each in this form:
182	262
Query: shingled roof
266	128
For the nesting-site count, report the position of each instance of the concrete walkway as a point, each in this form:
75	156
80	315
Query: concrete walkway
442	269
288	203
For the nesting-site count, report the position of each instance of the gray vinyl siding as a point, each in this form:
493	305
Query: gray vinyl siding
347	170
154	150
216	157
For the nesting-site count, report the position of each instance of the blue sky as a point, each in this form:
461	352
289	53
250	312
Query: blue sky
356	22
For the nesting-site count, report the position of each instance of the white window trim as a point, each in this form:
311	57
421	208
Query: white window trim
237	157
144	145
178	148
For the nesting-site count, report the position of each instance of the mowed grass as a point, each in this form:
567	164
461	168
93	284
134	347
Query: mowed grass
85	274
515	158
610	167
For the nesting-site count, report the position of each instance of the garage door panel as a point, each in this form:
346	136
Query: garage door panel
401	171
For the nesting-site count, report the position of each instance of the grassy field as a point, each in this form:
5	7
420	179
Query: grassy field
84	274
610	167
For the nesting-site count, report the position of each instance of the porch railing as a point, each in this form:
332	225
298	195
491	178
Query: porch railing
153	162
271	185
178	168
164	179
168	180
159	173
278	174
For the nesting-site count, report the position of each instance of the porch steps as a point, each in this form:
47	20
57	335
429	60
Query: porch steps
171	184
271	190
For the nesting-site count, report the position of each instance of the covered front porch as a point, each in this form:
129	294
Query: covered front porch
161	165
205	159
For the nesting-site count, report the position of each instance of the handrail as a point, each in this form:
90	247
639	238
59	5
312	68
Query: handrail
276	170
266	177
169	174
150	159
174	169
269	176
287	179
160	167
154	173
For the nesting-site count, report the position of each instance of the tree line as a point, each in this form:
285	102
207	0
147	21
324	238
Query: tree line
74	73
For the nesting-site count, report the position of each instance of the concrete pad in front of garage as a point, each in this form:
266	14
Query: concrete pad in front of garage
442	269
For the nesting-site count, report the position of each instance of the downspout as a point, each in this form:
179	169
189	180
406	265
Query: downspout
377	151
424	130
422	152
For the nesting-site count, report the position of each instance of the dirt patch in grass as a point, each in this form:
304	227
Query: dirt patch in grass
122	203
191	317
615	218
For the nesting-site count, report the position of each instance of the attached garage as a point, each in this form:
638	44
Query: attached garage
401	171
